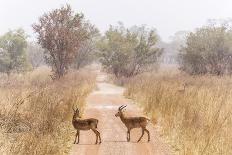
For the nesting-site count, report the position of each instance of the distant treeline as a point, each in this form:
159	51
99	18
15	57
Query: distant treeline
67	40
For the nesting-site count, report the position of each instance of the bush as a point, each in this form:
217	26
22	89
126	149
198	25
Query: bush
12	52
208	50
128	52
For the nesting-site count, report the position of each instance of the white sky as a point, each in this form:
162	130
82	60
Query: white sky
167	16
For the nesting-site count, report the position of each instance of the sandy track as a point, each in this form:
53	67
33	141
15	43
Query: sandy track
103	104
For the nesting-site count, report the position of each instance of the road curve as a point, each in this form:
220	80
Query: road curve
103	104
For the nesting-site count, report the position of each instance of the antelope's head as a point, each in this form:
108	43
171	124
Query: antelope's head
76	113
120	112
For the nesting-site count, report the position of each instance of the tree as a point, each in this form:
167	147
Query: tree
87	51
85	55
61	33
35	55
128	52
12	54
208	50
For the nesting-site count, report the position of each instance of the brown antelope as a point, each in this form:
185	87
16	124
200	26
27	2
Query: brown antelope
133	122
84	124
182	90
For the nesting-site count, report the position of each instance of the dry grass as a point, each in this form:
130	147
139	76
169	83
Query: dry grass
196	121
35	114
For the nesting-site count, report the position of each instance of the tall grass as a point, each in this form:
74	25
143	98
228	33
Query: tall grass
36	112
197	120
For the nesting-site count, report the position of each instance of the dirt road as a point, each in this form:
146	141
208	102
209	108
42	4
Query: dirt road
103	104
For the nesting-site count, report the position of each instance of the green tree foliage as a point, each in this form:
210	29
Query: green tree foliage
12	51
128	52
61	33
208	50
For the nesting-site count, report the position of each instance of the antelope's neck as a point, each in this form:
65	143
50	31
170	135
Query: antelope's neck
122	117
73	119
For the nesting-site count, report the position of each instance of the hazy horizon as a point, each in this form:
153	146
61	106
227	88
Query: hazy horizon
167	16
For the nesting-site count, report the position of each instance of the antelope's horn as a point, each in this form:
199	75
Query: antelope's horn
73	108
123	107
120	107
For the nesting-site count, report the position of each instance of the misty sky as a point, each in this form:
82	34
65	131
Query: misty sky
167	16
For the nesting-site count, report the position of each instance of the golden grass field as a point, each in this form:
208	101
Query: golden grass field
195	120
36	112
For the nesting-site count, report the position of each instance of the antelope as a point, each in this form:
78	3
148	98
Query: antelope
133	122
182	90
84	124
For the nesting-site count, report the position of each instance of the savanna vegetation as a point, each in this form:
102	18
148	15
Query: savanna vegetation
39	83
193	113
208	51
61	33
36	112
126	52
192	104
13	52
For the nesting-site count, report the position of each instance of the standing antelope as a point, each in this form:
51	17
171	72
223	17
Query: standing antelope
183	88
133	122
84	124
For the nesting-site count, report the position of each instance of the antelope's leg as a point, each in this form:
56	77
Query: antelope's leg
142	134
77	134
97	134
128	135
148	134
78	140
99	137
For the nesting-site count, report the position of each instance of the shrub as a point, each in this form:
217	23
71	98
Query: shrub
12	52
128	52
208	50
